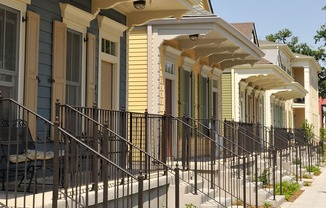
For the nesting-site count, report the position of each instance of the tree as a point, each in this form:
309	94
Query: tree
285	36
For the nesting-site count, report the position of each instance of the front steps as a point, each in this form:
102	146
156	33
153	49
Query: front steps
212	198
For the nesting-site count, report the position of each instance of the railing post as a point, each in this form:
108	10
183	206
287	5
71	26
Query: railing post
105	167
256	178
244	181
281	161
300	164
296	162
130	140
56	164
140	190
224	139
1	107
274	172
183	146
94	157
177	186
124	135
309	156
146	143
196	155
188	131
212	134
164	138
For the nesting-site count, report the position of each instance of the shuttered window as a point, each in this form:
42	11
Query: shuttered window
9	49
185	93
74	68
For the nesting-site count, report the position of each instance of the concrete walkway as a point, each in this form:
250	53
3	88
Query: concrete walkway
314	196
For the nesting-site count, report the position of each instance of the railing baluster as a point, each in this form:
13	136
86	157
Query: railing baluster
196	156
177	186
140	190
56	179
105	168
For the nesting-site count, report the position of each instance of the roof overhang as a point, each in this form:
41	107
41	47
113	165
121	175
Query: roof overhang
295	90
153	10
264	76
221	44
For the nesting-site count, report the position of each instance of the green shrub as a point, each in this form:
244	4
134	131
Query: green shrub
296	161
307	176
264	177
313	169
267	204
288	189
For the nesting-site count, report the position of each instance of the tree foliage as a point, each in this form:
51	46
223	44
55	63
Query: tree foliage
285	36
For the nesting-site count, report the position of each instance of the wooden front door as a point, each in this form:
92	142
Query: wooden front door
107	86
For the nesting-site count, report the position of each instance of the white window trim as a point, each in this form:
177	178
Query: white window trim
112	31
206	70
21	6
215	78
78	20
173	78
188	64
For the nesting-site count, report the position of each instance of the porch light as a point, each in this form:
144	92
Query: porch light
193	37
140	4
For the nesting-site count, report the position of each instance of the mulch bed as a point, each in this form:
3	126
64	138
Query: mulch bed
295	195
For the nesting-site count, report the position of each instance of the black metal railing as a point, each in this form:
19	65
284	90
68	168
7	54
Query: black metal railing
42	164
164	139
98	157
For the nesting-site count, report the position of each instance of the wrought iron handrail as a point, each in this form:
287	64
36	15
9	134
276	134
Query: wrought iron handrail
18	110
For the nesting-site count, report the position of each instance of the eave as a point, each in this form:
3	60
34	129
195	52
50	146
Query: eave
219	43
295	90
153	10
263	76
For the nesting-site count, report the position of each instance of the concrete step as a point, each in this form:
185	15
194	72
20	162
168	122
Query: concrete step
222	202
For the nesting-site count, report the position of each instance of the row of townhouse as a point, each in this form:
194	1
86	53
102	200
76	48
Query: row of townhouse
81	53
164	59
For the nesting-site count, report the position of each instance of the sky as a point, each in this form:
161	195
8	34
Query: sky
302	17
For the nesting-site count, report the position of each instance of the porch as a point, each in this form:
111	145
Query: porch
124	159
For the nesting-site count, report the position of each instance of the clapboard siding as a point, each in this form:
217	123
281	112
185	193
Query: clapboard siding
137	80
226	97
49	11
84	4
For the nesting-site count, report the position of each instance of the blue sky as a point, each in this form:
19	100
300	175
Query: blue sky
302	17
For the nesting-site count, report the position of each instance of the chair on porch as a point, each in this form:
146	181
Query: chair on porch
19	156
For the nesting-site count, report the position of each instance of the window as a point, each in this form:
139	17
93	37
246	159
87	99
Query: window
74	68
9	48
169	67
242	107
109	47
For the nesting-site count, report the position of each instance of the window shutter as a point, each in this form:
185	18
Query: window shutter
210	98
200	97
193	84
31	66
90	80
59	64
182	93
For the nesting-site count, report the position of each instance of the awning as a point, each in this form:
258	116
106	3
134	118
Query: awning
295	90
264	76
222	44
153	10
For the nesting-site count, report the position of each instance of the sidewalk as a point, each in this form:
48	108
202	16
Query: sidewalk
314	196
